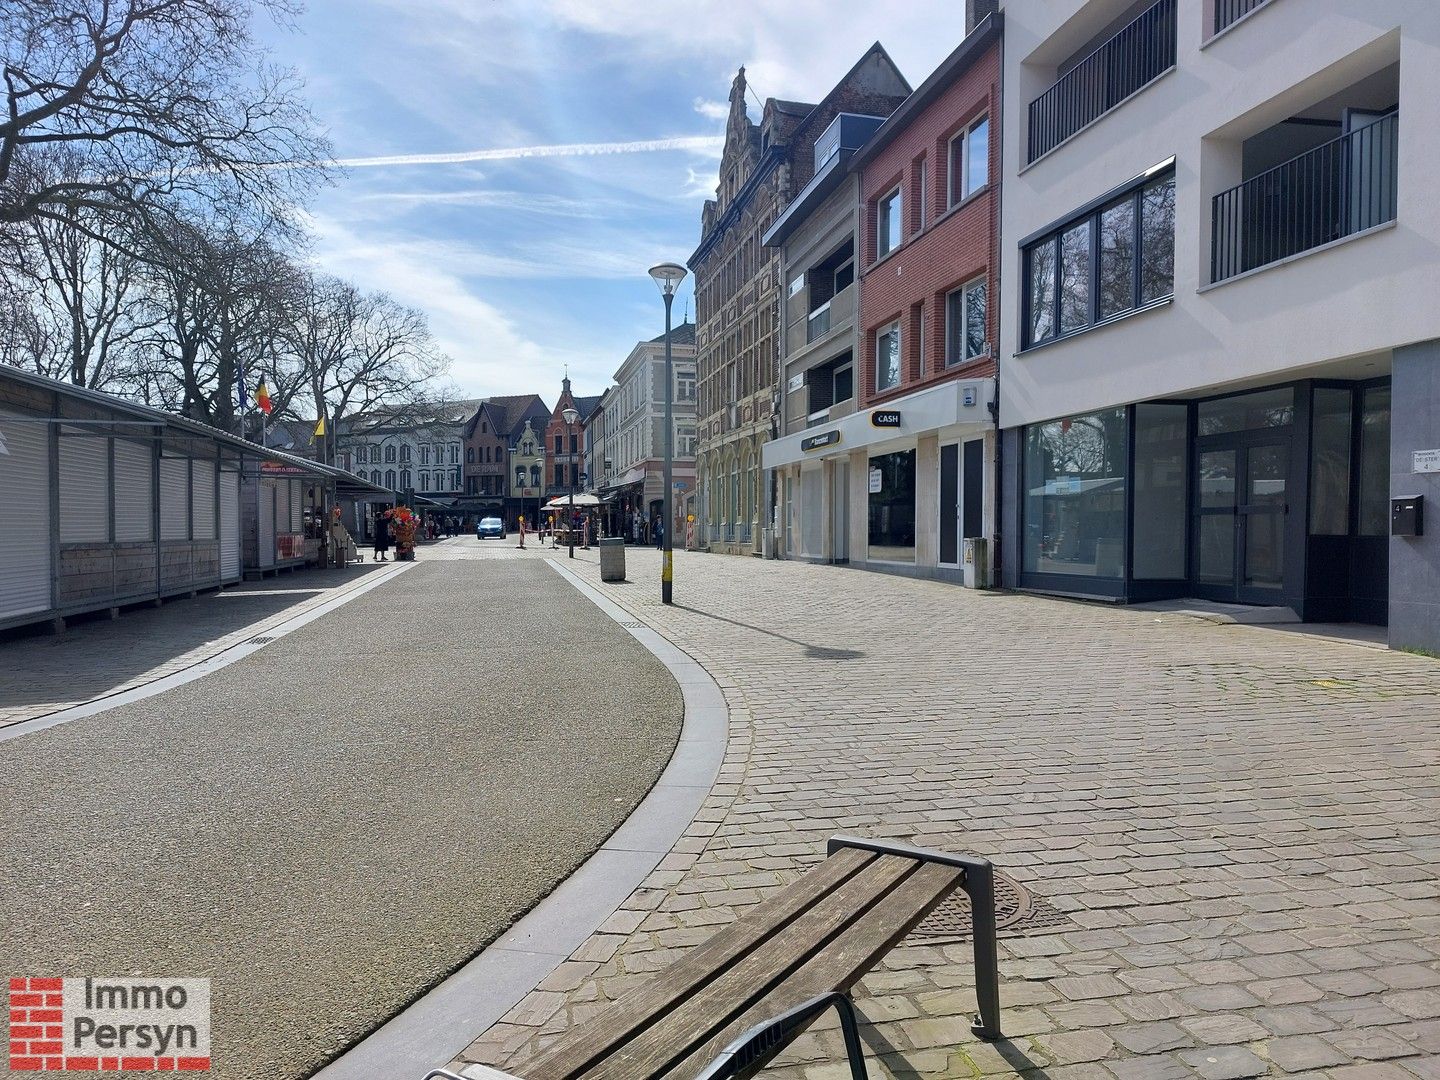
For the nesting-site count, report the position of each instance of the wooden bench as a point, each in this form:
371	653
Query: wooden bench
729	1006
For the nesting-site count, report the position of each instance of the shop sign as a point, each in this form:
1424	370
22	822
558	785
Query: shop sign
277	468
885	418
796	382
289	545
1425	461
815	442
876	479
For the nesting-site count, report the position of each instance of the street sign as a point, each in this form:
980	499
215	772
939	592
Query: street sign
1425	461
681	485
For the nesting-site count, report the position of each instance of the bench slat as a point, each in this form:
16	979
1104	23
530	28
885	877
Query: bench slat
844	961
694	1021
586	1044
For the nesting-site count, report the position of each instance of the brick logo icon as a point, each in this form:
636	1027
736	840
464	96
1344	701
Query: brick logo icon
109	1024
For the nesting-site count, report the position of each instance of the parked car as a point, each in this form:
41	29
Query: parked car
490	528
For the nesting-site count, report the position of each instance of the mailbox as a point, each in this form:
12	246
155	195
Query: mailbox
1407	516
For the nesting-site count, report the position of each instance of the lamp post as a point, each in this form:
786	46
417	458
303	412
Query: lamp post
668	277
571	414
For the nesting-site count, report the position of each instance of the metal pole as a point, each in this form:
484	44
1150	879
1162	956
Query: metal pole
667	566
570	525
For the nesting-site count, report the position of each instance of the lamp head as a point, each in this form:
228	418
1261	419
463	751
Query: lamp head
571	414
668	277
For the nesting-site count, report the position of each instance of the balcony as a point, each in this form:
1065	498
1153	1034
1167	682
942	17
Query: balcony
1231	11
1337	189
837	313
1136	56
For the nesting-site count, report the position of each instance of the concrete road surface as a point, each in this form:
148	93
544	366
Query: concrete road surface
329	826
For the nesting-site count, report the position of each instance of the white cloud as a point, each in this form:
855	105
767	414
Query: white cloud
712	110
516	153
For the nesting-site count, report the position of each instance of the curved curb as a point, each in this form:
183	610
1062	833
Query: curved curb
436	1028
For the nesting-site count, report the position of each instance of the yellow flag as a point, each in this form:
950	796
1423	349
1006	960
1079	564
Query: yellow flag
320	427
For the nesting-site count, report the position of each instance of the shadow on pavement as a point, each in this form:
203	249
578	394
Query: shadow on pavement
95	655
812	652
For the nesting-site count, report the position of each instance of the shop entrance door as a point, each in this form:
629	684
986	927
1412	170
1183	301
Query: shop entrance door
1240	518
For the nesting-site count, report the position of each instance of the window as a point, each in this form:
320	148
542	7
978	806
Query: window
574	442
1110	262
844	382
892	507
454	453
405	452
1330	438
559	475
888	224
535	476
845	275
965	336
970	160
424	453
455	480
887	357
519	475
1074	502
390	474
922	199
404	478
685	442
389	454
424	481
559	444
685	387
470	455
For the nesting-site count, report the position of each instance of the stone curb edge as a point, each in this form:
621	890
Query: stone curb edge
435	1029
200	668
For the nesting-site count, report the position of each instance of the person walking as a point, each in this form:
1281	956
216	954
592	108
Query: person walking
659	531
382	535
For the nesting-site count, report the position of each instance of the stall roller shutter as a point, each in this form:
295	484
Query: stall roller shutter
229	525
266	515
84	489
134	492
297	514
202	500
24	537
174	498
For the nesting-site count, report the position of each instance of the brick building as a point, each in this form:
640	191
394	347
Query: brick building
564	449
888	459
490	436
738	288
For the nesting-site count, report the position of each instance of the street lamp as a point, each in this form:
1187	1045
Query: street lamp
668	277
571	414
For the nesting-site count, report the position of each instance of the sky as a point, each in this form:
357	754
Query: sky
514	167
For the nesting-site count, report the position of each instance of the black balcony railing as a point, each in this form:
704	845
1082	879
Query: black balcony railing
1137	55
1228	11
1344	186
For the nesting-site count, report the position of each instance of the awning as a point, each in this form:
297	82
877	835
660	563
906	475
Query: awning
563	502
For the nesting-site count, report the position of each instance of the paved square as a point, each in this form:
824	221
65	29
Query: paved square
1236	828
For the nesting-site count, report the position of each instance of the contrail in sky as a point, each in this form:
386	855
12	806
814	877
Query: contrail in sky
692	142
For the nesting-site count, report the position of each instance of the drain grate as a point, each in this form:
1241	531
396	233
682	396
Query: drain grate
633	625
1016	913
260	640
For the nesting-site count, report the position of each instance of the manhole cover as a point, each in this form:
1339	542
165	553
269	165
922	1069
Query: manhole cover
260	641
1016	913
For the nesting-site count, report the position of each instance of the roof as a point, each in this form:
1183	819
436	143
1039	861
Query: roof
586	405
414	414
183	424
985	34
684	334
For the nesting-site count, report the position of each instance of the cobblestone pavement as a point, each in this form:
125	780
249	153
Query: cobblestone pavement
1232	833
98	657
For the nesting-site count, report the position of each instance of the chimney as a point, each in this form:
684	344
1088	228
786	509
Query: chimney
976	11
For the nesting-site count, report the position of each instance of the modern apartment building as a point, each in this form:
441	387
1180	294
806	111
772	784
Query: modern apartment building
1220	350
737	290
892	469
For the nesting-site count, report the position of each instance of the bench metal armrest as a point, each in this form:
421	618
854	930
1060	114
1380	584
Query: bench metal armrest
472	1072
749	1053
979	885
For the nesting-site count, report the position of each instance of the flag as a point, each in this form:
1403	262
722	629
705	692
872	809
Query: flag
319	429
262	398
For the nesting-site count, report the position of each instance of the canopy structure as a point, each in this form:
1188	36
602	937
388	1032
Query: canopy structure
563	502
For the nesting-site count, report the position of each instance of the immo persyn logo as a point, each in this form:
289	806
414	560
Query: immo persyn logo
109	1024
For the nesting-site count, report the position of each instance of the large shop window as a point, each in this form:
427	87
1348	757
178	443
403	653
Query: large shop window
892	507
1103	264
1161	475
1075	496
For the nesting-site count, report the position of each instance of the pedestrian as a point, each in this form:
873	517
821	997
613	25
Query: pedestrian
382	535
659	531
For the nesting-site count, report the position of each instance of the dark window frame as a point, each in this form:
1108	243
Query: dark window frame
1133	191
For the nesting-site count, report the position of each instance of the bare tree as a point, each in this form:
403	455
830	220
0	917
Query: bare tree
161	104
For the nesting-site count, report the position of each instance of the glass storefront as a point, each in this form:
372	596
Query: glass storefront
1074	506
1162	464
892	507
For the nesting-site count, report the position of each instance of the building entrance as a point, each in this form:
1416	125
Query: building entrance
1240	518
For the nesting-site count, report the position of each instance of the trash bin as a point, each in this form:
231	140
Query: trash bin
612	558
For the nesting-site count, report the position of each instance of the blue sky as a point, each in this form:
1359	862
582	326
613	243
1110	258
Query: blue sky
527	264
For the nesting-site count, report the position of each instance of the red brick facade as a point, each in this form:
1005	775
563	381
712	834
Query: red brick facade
956	245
